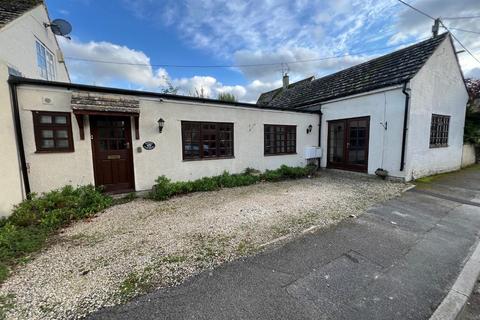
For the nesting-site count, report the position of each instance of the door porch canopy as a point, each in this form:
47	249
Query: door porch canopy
87	103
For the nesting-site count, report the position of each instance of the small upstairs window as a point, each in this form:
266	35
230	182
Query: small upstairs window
53	131
45	62
439	131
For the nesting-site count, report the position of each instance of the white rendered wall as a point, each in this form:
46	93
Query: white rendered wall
11	189
166	158
48	171
468	155
437	88
53	170
17	44
17	50
385	146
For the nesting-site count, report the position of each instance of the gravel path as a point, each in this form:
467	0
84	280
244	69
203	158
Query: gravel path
134	247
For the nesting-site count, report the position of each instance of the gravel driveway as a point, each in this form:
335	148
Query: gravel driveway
134	247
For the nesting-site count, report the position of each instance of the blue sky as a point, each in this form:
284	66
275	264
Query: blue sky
143	34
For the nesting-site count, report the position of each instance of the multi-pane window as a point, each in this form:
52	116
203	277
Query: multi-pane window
280	139
53	131
207	140
439	131
45	62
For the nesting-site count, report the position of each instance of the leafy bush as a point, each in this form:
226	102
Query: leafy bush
272	175
164	188
33	220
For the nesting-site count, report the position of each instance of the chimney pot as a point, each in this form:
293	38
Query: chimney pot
285	81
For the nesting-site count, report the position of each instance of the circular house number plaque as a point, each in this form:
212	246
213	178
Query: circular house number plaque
149	145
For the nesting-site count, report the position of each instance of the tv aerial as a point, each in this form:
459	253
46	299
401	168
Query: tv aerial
60	27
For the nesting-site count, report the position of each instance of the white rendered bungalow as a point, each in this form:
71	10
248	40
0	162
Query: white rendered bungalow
402	113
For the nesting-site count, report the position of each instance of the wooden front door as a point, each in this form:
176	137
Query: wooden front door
348	144
112	153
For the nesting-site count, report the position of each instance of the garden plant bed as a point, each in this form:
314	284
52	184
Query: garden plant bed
137	246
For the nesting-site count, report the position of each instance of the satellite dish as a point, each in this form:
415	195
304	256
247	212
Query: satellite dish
60	27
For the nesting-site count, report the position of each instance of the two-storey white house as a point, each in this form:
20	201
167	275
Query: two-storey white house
27	48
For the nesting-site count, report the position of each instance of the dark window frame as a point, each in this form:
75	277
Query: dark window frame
229	150
54	127
279	146
439	131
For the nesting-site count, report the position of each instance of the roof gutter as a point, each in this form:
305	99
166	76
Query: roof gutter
405	123
137	93
19	136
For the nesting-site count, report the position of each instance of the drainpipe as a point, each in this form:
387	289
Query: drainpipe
405	128
320	114
19	135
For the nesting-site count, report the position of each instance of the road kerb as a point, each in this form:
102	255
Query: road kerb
452	306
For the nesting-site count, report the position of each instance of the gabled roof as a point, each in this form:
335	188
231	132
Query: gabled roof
13	9
388	70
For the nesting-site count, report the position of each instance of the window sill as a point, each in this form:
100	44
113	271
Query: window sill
54	151
206	159
279	154
439	146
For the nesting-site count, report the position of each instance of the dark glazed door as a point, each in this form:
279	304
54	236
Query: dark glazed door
348	144
112	153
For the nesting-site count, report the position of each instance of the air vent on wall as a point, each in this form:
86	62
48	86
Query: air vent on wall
46	100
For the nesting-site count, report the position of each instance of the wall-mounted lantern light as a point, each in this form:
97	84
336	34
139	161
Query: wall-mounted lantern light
309	129
161	123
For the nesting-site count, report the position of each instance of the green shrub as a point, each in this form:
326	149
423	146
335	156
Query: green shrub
58	207
206	184
164	188
272	175
34	219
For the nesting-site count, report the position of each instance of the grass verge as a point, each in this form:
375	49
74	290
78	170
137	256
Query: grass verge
440	176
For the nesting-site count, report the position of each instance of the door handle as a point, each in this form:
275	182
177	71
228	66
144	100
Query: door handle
127	145
348	144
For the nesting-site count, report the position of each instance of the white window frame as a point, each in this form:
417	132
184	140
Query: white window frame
45	61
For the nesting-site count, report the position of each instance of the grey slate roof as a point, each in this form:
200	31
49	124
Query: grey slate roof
266	97
388	70
12	9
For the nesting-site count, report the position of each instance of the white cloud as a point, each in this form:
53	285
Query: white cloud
265	32
142	76
414	25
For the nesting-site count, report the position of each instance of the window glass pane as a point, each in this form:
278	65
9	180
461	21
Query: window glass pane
279	139
207	140
439	131
47	133
61	143
50	66
104	145
60	119
52	131
47	143
45	119
61	133
41	60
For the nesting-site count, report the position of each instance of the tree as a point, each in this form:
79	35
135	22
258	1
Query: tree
225	96
199	93
473	88
472	119
169	88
